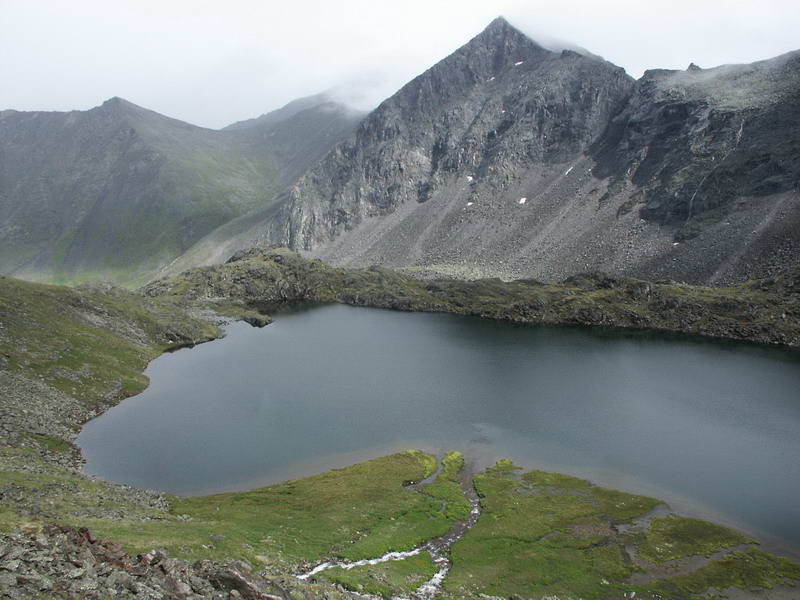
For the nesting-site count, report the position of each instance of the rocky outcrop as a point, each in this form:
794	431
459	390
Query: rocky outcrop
712	156
69	562
764	311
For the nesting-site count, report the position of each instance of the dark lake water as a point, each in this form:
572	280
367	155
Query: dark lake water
712	428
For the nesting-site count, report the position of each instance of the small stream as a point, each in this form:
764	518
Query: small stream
438	548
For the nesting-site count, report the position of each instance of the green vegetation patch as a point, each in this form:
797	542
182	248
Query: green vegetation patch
388	579
447	488
362	511
747	569
53	443
544	534
92	342
674	537
357	512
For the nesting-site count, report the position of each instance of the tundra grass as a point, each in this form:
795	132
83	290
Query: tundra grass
547	534
543	534
673	537
91	343
447	487
358	512
751	569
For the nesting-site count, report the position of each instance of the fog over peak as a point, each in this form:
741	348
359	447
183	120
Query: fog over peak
212	66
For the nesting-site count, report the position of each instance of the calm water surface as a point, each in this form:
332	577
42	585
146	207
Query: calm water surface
712	428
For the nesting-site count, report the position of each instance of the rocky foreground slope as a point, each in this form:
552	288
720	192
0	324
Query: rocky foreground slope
69	562
508	159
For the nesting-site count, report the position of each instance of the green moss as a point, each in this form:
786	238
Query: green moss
567	482
447	488
388	579
620	507
53	443
503	466
675	537
357	512
751	568
543	534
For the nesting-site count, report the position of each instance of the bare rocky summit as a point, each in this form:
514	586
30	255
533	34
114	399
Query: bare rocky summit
507	159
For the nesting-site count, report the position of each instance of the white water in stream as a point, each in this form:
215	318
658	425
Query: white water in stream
439	549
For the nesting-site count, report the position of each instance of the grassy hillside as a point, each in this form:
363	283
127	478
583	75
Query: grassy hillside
68	353
117	192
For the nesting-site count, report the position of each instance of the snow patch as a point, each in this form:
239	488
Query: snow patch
469	178
523	200
568	170
491	78
470	203
516	64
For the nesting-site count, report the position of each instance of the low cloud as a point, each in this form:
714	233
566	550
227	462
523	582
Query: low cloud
209	65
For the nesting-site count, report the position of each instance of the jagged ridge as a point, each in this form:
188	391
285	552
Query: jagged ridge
508	159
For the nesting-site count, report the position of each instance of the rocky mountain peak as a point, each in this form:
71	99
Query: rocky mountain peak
119	110
457	134
117	104
504	43
500	28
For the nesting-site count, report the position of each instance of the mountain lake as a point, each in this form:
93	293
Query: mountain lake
710	427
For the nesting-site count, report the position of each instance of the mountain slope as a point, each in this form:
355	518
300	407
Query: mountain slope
299	134
712	157
499	110
118	191
507	159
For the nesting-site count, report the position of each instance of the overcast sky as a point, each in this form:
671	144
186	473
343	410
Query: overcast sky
212	63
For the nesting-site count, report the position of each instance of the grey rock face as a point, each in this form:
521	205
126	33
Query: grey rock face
506	159
67	562
481	116
714	156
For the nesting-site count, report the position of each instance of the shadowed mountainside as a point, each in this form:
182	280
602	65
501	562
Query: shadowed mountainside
118	191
